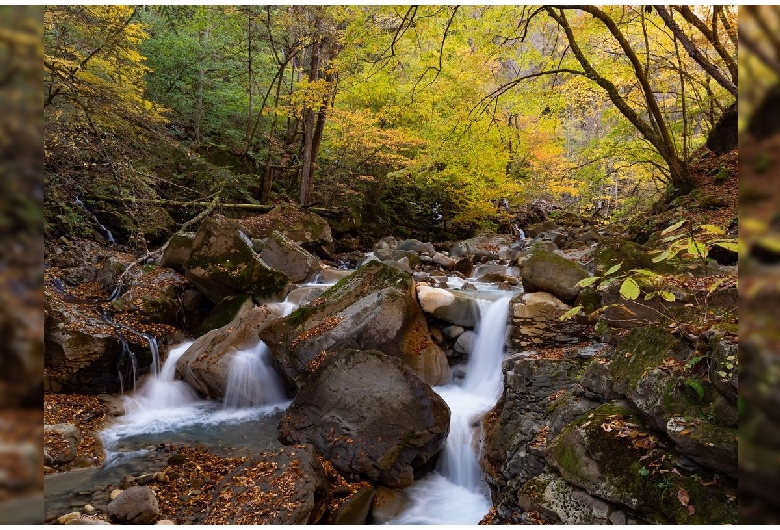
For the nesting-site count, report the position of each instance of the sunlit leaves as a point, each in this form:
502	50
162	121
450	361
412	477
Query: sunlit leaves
629	289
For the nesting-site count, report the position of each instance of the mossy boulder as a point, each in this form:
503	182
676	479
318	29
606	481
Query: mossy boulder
222	263
283	254
178	251
614	250
154	296
610	453
373	308
227	310
552	273
305	228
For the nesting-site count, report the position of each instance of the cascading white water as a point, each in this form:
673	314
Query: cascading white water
162	390
457	493
252	380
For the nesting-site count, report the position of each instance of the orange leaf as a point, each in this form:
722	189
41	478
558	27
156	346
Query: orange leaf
683	497
685	431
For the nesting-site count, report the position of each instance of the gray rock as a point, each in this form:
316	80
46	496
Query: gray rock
452	332
223	263
294	476
135	505
178	251
444	261
535	321
549	272
283	254
355	509
416	246
374	308
483	246
68	433
465	342
206	363
384	428
450	306
307	229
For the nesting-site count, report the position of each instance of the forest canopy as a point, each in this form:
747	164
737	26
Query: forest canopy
432	119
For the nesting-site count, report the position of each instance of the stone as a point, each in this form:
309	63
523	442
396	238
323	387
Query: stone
206	363
551	273
115	493
283	254
164	522
178	251
374	308
135	505
560	502
295	477
222	263
305	228
452	332
387	505
446	262
449	306
464	266
535	321
354	510
465	342
68	517
191	299
154	297
330	275
226	311
64	432
483	246
416	246
305	294
383	428
88	509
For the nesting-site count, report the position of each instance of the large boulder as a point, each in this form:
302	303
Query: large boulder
223	263
82	351
287	486
206	363
370	414
486	246
135	505
61	443
610	453
309	230
154	296
178	251
283	254
225	312
447	305
373	308
535	322
554	274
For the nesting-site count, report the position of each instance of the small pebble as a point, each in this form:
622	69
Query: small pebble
89	509
115	493
165	521
68	517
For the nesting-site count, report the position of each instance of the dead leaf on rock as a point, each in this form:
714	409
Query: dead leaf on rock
684	498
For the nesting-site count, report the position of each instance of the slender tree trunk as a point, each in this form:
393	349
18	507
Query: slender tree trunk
203	39
308	130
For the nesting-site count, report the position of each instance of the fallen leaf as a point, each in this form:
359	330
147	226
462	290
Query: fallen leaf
683	497
685	431
691	509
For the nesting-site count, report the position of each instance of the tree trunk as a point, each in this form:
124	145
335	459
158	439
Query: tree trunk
308	130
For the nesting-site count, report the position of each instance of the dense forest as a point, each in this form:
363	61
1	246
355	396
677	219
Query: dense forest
436	120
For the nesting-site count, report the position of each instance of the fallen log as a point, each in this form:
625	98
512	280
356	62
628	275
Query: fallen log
261	208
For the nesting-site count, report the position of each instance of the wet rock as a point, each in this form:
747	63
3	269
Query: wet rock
464	266
223	263
206	363
551	273
374	308
449	306
416	246
226	311
452	332
287	486
354	510
446	262
465	342
387	505
483	246
135	505
384	428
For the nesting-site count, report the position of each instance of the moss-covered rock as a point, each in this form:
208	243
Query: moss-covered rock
307	229
615	250
549	272
610	453
153	297
283	254
178	250
223	263
227	310
373	308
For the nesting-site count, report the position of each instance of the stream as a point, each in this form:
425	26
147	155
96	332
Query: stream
167	411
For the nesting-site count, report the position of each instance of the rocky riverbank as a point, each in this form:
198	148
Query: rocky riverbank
615	408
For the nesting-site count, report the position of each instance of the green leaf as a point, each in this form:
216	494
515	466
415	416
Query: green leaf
650	296
692	361
630	289
664	255
645	272
613	269
672	228
696	248
672	238
570	313
644	471
588	281
722	373
697	387
716	284
712	229
666	295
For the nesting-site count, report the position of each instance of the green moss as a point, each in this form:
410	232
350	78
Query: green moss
223	313
589	298
640	350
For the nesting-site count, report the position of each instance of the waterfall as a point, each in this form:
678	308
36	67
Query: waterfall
162	390
457	492
252	380
106	231
127	356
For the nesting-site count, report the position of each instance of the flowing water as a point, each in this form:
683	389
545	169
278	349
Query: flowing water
456	493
